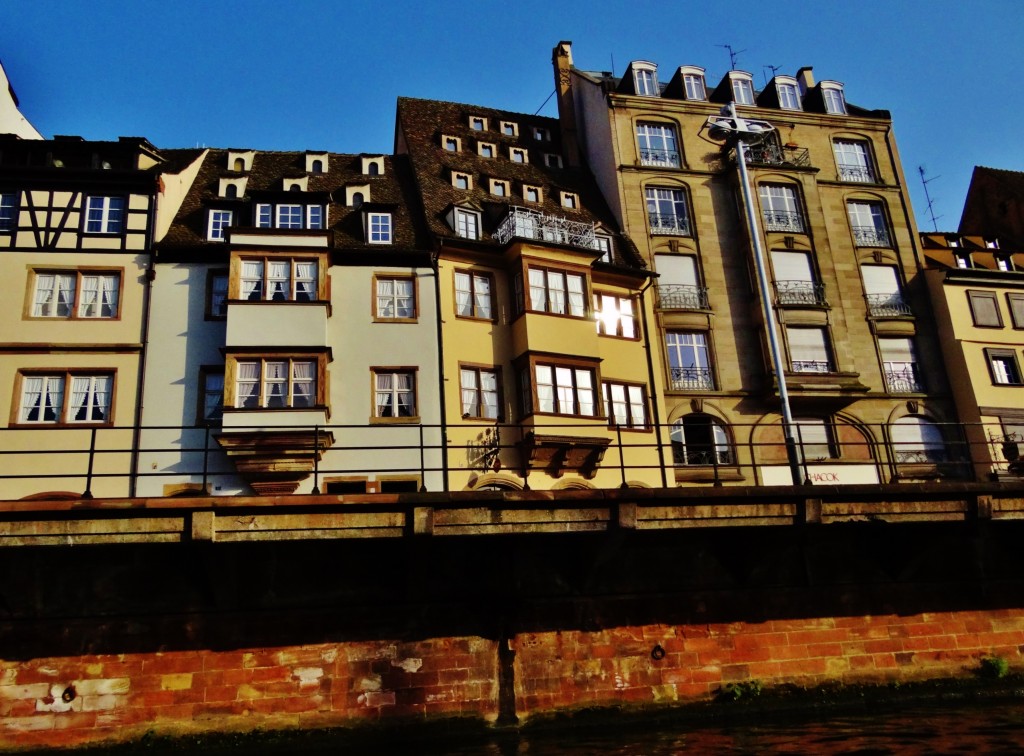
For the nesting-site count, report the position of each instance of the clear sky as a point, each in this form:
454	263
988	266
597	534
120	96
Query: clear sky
299	74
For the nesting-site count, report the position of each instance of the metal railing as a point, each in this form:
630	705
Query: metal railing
888	306
905	381
662	158
858	173
871	236
769	153
810	366
783	220
802	293
682	297
531	224
676	225
691	379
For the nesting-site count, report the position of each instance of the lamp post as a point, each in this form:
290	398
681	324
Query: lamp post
737	131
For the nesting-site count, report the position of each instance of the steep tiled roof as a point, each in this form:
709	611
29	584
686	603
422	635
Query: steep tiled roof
393	190
422	123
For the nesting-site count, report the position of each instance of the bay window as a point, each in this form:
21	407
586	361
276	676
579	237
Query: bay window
557	292
278	280
275	383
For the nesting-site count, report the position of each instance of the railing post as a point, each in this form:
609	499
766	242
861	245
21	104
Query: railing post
423	463
206	458
316	461
714	461
622	456
88	475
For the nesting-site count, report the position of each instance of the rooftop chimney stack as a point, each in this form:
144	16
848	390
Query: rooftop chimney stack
561	59
805	78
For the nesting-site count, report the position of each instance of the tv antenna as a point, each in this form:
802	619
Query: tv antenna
774	70
928	197
733	55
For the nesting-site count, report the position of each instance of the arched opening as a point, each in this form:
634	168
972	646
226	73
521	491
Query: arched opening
700	439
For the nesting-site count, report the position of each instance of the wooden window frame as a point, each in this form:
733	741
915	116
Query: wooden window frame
78	273
601	329
68	374
411	370
529	363
231	379
235	280
992	354
524	302
375	297
473	274
629	426
479	368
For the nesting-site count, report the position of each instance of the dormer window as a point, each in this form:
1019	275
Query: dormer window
357	199
462	180
316	162
465	222
509	128
742	87
604	244
238	165
789	94
240	160
832	93
289	216
645	79
477	123
373	166
231	188
693	82
451	143
231	191
217	221
294	187
517	155
378	228
540	134
357	195
551	160
485	149
570	200
532	193
499	188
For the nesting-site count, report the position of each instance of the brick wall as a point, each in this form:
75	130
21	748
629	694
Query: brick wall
75	700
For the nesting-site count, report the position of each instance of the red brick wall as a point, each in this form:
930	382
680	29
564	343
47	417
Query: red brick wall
123	696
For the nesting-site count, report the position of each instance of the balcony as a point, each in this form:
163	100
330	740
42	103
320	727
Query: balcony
659	158
811	366
691	379
675	225
870	236
682	297
772	154
783	220
800	293
858	173
919	456
888	306
903	381
531	224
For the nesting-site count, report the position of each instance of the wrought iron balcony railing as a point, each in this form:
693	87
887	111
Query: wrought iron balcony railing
811	366
858	173
682	297
904	381
888	306
721	455
677	225
769	153
783	220
663	158
919	456
801	293
531	224
871	236
692	379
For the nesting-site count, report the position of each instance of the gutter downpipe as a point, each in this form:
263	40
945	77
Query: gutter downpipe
650	377
435	265
140	390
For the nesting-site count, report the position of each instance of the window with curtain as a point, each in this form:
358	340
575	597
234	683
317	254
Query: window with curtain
279	280
615	316
625	404
395	393
57	293
275	383
564	390
396	298
556	292
47	398
473	297
479	392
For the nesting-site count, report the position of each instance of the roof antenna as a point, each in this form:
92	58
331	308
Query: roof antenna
774	70
612	56
545	102
928	198
733	55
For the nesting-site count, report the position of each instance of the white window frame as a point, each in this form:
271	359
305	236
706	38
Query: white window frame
835	100
780	208
565	390
689	361
645	80
868	224
467	223
789	95
1004	367
557	292
105	214
218	221
668	210
395	298
8	211
657	145
853	161
625	404
268	380
742	89
480	392
263	278
693	85
55	395
379	229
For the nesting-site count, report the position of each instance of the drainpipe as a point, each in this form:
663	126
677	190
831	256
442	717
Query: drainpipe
650	378
140	389
435	265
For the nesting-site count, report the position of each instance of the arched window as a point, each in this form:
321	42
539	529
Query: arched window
239	164
294	188
357	199
318	166
373	169
917	439
699	439
231	191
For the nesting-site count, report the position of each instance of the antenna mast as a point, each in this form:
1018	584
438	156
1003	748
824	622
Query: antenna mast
733	55
774	70
928	197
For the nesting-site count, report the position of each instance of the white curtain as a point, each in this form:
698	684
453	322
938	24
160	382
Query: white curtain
626	318
42	399
463	294
305	281
489	393
88	308
483	296
538	291
303	384
470	395
108	308
278	284
403	387
556	291
385	298
403	295
275	383
545	389
248	383
584	393
576	296
638	415
252	279
90	398
385	395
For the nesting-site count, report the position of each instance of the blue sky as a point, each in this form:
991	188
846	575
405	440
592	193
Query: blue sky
325	75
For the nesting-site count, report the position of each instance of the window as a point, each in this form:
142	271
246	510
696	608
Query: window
518	155
645	81
541	134
867	220
499	188
657	145
509	128
7	211
814	439
899	365
531	193
473	295
477	124
479	392
742	90
56	294
679	283
780	208
46	398
700	439
379	228
218	221
104	215
552	161
564	390
1015	303
395	393
462	181
689	361
853	161
231	191
808	350
1003	262
291	216
789	97
211	399
570	200
317	166
278	280
667	211
916	439
557	292
1002	364
485	149
985	309
694	86
834	101
451	144
467	224
615	316
963	260
795	282
883	292
625	405
604	245
217	294
396	299
273	383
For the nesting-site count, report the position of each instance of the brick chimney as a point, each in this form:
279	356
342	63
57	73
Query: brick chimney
561	60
